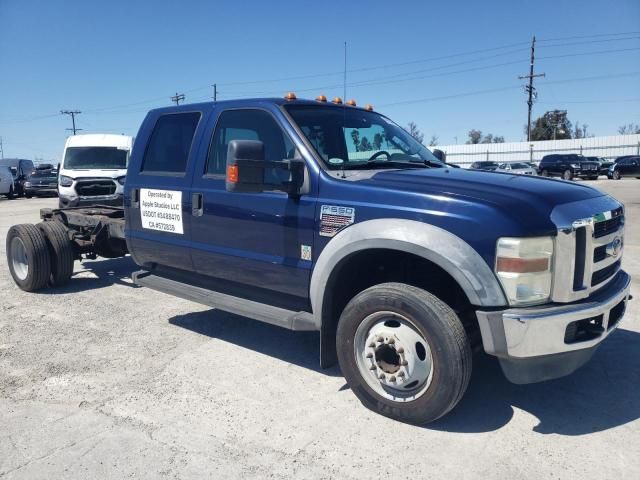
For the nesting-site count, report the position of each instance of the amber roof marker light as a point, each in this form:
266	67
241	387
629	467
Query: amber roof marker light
337	101
321	98
368	107
351	103
290	96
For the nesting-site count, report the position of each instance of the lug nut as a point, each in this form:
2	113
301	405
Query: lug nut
369	355
392	341
381	377
401	374
400	350
404	363
371	345
392	378
373	367
380	339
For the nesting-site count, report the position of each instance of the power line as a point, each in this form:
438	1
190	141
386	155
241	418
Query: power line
178	97
73	114
529	88
505	88
597	35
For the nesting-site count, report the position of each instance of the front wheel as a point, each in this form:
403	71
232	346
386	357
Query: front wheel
11	195
616	175
567	175
544	173
403	352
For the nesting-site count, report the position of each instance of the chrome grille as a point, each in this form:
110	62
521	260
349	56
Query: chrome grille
594	247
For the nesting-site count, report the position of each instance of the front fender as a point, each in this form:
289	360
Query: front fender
439	246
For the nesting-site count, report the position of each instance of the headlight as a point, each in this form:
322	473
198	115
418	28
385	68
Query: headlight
27	184
121	180
575	165
65	181
524	267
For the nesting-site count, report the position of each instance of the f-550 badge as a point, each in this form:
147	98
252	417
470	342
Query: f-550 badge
334	218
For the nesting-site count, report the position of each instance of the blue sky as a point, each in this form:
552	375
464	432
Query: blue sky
423	61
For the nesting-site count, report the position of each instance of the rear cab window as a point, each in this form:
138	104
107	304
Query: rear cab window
170	144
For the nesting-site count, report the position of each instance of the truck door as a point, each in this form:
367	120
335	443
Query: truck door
157	197
262	240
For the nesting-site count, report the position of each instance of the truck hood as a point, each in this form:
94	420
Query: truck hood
517	193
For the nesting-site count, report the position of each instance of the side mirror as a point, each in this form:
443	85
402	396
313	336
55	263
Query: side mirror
245	166
440	155
246	170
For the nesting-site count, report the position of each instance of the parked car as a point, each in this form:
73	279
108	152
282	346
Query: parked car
6	182
20	168
41	181
485	165
628	166
604	164
261	208
568	166
93	170
519	168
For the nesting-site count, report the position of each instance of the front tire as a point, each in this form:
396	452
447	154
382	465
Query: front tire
544	173
567	175
616	175
403	352
11	195
28	257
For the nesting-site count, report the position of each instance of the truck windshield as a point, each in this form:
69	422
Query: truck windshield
104	158
353	138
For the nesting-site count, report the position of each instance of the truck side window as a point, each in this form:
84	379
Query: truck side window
248	125
170	143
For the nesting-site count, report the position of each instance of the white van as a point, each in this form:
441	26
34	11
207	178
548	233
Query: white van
93	170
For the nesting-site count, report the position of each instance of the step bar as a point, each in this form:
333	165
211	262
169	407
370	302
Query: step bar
292	320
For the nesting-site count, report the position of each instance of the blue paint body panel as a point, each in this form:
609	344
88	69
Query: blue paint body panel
256	239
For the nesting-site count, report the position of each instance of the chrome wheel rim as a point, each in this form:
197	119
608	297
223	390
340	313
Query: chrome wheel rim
19	258
393	357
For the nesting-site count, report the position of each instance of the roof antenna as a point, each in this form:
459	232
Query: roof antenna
344	102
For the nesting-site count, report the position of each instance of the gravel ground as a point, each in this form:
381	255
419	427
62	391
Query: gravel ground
101	379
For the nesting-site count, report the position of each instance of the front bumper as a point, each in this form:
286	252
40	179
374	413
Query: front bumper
41	190
116	200
540	343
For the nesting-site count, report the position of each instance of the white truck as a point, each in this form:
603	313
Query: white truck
93	170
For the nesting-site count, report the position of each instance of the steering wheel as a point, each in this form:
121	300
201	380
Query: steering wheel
377	154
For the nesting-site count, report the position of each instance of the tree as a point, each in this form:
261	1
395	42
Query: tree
474	137
365	145
433	141
581	132
629	129
378	138
355	136
414	132
553	125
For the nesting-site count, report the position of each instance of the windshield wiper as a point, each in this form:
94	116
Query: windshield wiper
376	164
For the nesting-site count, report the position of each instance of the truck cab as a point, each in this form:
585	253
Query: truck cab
93	170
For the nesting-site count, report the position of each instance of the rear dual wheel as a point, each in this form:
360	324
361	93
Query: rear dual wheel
403	352
39	255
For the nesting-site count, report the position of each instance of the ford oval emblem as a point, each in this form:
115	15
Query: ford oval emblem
613	248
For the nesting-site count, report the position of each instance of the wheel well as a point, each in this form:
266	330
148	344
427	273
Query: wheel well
367	268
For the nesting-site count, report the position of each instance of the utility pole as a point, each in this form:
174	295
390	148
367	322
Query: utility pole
1	149
178	98
215	92
73	114
529	88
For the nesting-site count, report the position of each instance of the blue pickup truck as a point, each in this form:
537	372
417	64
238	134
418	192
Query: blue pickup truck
325	216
